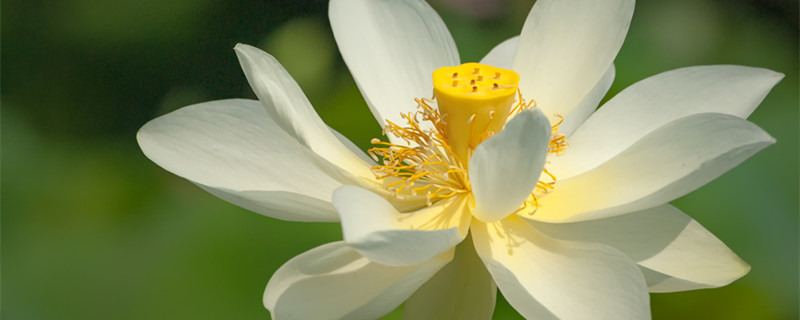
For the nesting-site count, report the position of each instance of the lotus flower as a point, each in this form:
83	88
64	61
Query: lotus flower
507	177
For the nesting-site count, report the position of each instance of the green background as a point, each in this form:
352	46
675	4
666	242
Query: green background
91	229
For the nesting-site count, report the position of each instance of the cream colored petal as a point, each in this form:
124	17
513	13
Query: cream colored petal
668	163
502	55
651	103
291	110
565	48
588	105
352	147
463	290
333	281
505	168
373	227
679	253
235	150
392	49
546	278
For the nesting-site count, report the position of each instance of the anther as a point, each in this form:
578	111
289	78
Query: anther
455	75
472	82
495	86
474	88
497	75
477	71
455	83
480	78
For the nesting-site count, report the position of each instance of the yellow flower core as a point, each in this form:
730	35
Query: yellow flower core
474	102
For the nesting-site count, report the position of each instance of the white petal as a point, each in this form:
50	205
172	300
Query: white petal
666	242
333	281
546	278
666	164
373	227
502	55
566	47
235	150
289	107
505	168
392	49
352	147
588	105
658	100
463	289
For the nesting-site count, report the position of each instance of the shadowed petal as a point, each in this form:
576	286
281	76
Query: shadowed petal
333	281
463	289
502	55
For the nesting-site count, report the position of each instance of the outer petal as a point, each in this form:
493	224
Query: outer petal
286	103
505	168
658	100
342	285
666	164
236	151
676	250
588	105
545	278
502	55
463	289
391	48
373	227
566	47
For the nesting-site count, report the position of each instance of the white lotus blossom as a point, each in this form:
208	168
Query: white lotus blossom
490	183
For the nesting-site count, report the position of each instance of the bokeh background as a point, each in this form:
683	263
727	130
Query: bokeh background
91	229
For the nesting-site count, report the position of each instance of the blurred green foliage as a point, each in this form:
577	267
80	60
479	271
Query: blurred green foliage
91	229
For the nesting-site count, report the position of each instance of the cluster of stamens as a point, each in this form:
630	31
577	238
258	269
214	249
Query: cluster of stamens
425	164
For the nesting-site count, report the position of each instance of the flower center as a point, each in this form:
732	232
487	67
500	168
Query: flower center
474	101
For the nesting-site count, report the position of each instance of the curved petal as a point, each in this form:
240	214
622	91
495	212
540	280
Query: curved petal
235	150
373	227
666	164
663	240
588	105
565	48
392	49
658	100
463	289
342	285
291	110
505	168
546	278
502	55
352	147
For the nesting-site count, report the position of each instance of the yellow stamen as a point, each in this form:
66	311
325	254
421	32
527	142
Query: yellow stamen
426	165
467	105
